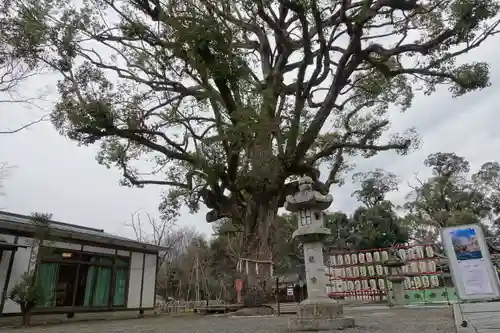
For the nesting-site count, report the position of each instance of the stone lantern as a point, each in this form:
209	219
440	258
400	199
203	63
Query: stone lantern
396	277
317	312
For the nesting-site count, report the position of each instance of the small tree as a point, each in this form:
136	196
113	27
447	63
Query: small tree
27	293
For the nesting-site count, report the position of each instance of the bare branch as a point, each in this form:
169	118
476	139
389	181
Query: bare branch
19	129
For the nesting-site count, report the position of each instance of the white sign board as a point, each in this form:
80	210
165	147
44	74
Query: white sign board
471	268
289	291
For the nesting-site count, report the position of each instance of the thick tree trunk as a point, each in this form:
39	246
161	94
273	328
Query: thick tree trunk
256	260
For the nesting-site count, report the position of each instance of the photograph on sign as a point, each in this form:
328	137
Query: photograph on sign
466	244
470	263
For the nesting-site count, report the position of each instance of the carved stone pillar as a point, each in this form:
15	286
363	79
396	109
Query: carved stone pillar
318	312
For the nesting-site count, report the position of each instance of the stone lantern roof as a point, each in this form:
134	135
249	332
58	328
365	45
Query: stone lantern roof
307	197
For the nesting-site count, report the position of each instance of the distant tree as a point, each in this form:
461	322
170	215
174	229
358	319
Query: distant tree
341	228
367	228
487	179
447	198
230	99
174	275
377	227
155	231
374	186
374	224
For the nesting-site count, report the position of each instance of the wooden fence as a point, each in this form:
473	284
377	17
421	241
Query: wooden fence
175	307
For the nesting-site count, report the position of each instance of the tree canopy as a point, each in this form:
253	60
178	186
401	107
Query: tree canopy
224	101
449	197
373	224
15	70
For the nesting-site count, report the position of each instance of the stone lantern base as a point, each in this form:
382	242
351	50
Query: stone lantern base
398	291
322	314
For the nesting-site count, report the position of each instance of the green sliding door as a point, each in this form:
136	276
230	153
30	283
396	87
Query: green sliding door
88	286
98	286
119	296
47	278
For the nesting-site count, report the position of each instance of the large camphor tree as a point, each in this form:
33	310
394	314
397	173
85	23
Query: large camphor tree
226	101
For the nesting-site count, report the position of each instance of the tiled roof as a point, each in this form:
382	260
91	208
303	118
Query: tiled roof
98	235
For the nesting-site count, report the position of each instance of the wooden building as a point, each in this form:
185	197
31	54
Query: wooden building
81	269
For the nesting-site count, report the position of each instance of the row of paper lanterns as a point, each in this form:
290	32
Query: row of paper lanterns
380	284
424	266
413	253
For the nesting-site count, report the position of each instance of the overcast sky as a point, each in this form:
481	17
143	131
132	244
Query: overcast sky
52	174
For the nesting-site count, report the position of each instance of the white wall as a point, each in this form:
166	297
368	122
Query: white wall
123	253
4	263
62	245
134	285
148	291
20	266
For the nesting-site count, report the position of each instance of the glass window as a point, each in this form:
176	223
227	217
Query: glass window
120	286
122	262
90	287
98	286
47	278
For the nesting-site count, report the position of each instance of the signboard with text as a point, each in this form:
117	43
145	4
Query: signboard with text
471	268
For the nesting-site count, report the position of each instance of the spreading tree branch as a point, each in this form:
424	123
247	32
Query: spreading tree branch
227	100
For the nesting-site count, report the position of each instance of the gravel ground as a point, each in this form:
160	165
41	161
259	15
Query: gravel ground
367	321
